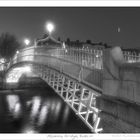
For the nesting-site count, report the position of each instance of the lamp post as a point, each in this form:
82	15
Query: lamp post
26	41
50	27
119	31
17	52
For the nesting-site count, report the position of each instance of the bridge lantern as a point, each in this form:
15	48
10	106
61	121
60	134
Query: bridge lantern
26	41
50	27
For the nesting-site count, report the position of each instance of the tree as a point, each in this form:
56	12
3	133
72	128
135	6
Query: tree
8	45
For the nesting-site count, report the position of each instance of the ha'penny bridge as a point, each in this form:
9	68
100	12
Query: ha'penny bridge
100	85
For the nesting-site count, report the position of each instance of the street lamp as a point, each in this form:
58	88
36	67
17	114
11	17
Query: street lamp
119	29
26	41
50	27
118	36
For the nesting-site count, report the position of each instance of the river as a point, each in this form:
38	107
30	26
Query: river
37	109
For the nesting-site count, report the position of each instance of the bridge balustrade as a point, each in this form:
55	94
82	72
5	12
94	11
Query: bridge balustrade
91	58
85	65
87	57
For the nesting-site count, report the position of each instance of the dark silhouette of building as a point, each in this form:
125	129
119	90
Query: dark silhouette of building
80	44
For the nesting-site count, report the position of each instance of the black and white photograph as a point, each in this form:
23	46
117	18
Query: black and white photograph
69	70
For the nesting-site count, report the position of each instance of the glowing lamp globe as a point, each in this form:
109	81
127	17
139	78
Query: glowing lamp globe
50	27
27	42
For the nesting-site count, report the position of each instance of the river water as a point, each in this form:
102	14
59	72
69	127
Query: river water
37	110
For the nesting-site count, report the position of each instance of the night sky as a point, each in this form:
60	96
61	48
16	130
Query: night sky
96	24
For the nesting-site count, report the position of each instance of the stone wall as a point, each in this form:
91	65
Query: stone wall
118	116
120	102
120	79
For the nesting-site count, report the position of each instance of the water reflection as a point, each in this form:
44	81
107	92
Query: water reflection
14	105
29	129
56	110
66	115
43	115
36	103
38	114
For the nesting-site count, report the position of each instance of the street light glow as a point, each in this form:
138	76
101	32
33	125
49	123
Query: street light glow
119	29
50	27
16	73
27	41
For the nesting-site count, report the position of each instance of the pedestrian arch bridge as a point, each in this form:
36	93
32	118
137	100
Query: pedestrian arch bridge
95	83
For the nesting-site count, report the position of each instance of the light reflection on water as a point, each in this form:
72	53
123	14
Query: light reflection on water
43	115
36	103
29	129
14	105
66	114
38	112
56	110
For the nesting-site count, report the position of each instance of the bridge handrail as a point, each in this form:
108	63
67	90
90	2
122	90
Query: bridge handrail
89	57
46	55
86	57
83	58
61	69
61	55
130	57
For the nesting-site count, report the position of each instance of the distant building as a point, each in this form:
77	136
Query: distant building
87	44
132	51
49	41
